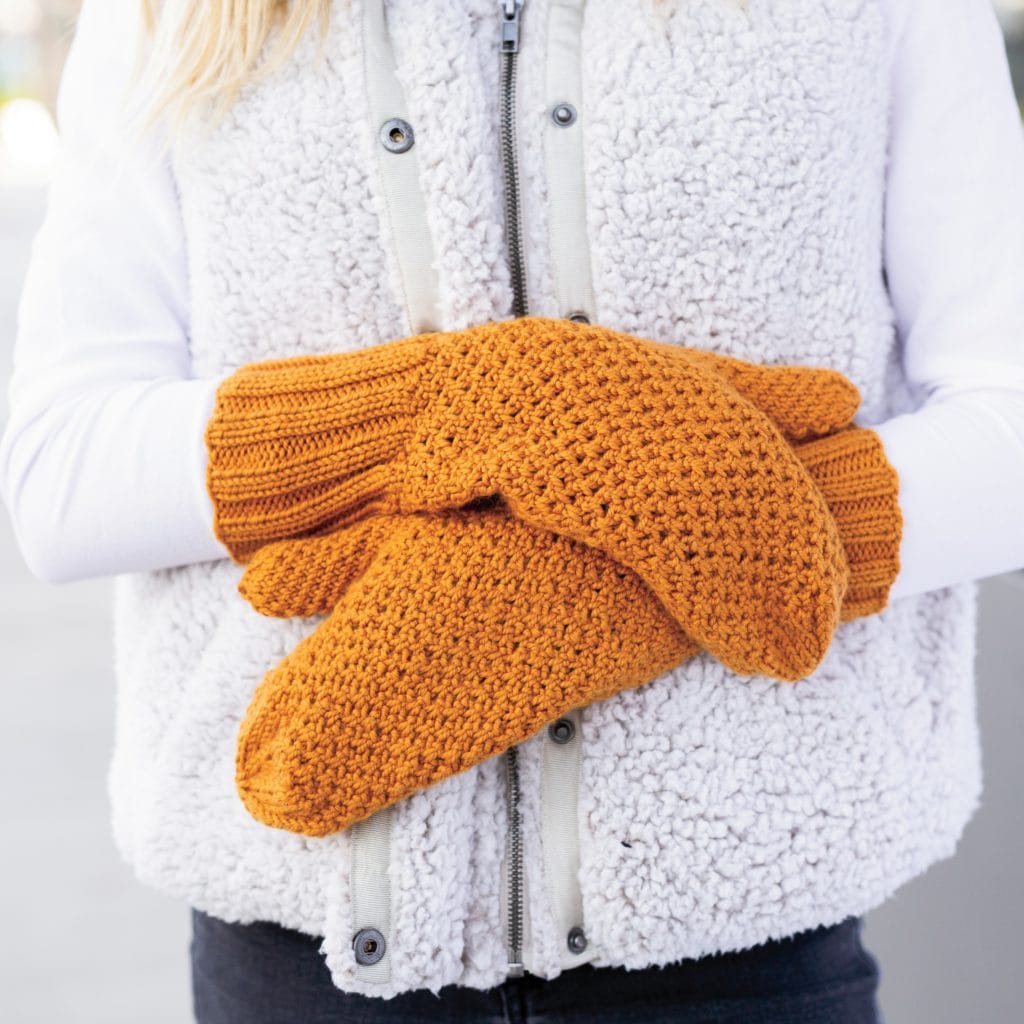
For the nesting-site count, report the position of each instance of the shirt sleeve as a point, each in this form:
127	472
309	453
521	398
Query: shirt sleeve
954	263
102	462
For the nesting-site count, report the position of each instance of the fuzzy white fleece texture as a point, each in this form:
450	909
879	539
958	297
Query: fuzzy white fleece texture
735	175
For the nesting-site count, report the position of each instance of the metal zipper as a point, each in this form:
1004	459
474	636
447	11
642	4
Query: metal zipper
514	849
511	13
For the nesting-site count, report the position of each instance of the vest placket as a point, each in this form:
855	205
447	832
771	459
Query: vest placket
411	242
569	253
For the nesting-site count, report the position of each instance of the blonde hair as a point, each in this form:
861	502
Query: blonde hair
197	51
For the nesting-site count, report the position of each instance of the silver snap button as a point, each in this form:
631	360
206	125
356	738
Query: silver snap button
562	731
577	940
369	945
397	135
579	318
563	114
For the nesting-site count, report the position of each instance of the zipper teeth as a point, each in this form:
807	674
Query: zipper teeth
511	162
511	13
515	909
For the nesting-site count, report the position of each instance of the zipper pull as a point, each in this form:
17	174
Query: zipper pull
510	25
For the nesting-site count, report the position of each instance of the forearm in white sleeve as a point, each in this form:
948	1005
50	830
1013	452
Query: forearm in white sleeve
102	464
954	257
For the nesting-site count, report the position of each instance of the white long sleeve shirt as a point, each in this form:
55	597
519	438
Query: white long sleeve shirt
103	463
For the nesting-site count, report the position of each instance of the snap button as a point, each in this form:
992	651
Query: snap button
369	945
397	135
579	318
577	940
563	114
562	731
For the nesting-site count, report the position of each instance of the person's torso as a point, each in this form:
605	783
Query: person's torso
694	174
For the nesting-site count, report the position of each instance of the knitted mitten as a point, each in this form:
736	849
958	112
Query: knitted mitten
387	696
467	632
643	450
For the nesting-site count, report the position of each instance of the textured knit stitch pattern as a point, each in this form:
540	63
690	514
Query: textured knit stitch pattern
439	657
726	208
640	449
456	635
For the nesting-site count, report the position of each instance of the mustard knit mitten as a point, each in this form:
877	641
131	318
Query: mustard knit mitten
466	632
643	450
459	634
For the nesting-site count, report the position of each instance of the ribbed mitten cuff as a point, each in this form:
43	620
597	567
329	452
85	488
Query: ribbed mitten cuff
300	446
861	488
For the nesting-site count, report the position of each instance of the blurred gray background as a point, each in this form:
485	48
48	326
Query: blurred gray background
82	942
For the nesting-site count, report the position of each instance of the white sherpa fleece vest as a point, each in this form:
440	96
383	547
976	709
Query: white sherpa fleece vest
734	174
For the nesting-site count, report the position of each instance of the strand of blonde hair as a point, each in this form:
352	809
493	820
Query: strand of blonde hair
198	51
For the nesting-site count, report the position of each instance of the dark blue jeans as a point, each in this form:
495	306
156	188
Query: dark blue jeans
264	974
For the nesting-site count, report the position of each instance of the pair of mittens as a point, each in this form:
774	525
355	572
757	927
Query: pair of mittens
455	634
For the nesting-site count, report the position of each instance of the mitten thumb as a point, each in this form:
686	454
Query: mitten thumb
308	576
803	401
